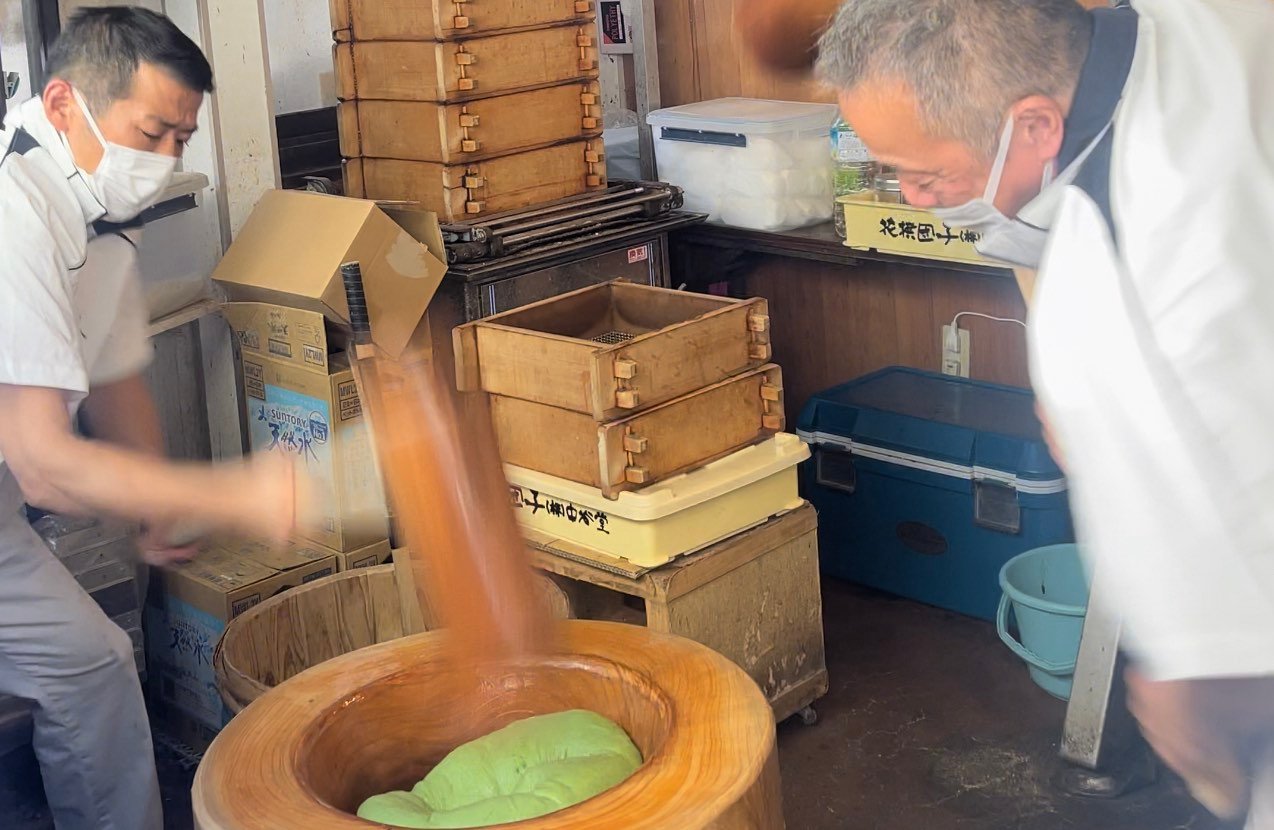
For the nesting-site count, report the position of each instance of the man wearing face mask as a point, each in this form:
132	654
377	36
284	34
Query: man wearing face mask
94	151
1127	154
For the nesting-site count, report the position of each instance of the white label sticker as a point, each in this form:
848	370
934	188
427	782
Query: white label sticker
850	148
638	254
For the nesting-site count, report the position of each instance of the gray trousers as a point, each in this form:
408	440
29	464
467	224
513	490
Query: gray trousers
58	650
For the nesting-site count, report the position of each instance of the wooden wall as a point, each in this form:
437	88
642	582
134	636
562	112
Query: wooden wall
832	323
701	57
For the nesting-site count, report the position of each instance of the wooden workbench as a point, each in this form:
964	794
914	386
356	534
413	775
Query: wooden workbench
754	598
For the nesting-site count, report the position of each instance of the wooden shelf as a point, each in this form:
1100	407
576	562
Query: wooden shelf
182	316
818	243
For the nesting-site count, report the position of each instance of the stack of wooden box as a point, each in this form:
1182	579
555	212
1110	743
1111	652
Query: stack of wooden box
619	386
642	434
468	109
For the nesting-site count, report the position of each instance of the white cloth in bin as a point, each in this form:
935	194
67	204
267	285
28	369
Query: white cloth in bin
767	185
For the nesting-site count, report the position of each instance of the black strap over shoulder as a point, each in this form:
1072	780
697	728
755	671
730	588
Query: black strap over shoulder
21	144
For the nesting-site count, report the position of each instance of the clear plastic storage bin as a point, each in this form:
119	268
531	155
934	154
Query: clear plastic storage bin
749	163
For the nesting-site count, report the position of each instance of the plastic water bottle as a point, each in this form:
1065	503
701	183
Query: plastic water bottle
853	171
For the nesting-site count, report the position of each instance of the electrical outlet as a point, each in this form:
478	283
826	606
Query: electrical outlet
955	361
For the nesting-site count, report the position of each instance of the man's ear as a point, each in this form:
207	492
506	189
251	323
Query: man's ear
59	104
1042	123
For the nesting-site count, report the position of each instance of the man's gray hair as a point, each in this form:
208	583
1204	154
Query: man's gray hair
967	61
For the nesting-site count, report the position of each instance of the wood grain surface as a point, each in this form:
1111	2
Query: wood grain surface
298	629
308	752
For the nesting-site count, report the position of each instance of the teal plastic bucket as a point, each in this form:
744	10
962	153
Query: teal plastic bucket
1046	590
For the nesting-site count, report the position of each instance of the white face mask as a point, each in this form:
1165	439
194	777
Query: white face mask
126	181
1002	238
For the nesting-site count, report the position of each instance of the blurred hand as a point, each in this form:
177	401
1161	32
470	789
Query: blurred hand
161	545
276	497
783	34
1196	730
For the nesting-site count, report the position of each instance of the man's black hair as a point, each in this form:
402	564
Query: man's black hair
100	50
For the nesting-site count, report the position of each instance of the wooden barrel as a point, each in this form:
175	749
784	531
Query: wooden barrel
308	752
298	629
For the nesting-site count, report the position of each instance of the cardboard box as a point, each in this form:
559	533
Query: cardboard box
375	554
300	551
303	401
282	274
291	249
189	607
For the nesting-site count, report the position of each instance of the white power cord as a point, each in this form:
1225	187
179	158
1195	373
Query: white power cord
952	343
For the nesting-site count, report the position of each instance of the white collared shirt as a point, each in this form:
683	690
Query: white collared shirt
72	313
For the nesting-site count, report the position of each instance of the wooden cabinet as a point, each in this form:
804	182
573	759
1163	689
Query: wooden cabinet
753	598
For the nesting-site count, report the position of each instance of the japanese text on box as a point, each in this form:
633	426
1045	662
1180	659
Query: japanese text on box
533	500
895	228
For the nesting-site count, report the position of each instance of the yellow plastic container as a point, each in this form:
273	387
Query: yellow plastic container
908	231
652	526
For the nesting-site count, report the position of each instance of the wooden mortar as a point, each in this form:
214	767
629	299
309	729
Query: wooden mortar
308	752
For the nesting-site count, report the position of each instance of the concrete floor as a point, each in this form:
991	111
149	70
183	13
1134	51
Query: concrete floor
930	724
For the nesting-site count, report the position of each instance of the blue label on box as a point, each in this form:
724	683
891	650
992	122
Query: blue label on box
180	639
290	422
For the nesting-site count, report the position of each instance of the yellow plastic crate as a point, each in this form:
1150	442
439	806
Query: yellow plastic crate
908	231
680	515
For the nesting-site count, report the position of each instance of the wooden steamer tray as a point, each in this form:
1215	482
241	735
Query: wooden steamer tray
646	447
479	67
469	189
613	349
448	19
473	130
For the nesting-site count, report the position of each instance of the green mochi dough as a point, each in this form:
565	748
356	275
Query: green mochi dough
529	768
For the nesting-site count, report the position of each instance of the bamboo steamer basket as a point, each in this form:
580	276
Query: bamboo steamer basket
308	752
307	625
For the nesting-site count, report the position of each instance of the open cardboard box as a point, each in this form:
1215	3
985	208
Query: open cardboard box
288	311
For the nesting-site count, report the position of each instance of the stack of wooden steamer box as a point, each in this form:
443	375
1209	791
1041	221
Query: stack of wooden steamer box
642	432
468	108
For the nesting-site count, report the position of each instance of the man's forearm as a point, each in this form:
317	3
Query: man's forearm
61	471
94	477
124	413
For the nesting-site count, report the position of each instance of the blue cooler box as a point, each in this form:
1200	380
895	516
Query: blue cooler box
927	484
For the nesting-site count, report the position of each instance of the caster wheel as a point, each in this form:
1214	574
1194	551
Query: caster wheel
808	716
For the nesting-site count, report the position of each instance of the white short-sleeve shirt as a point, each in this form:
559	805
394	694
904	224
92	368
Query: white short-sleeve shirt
72	313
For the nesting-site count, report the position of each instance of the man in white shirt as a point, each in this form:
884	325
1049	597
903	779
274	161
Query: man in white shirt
94	151
1070	140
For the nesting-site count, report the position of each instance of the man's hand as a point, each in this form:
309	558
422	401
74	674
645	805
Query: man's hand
157	547
1200	729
